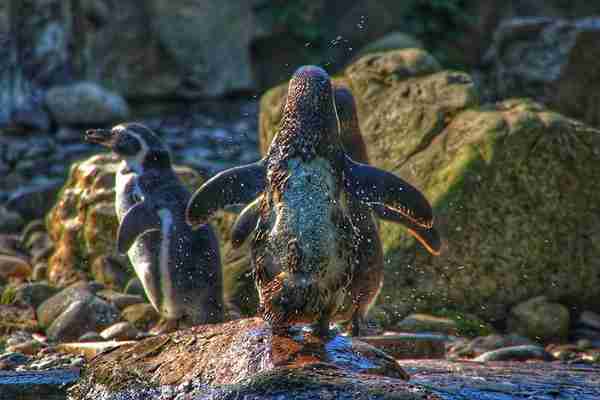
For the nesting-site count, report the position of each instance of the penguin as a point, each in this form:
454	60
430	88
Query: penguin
180	268
304	246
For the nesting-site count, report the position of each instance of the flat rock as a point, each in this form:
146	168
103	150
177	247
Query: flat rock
90	350
427	323
247	357
120	331
515	353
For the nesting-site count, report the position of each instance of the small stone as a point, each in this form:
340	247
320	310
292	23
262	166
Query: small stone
427	323
120	331
11	360
34	294
18	337
515	353
45	364
14	267
540	320
590	319
142	316
78	362
85	103
50	309
91	337
134	286
30	347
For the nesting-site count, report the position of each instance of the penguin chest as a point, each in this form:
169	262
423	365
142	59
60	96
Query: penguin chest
127	191
306	237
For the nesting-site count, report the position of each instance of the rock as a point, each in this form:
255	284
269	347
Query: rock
391	41
263	363
548	59
50	309
10	221
12	360
85	103
91	337
91	350
83	223
80	317
515	353
33	294
15	317
483	344
590	319
142	316
540	320
14	267
427	323
30	347
110	272
11	245
481	167
34	201
409	346
120	331
120	300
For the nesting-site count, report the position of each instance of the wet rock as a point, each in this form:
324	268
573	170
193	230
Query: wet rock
263	363
409	346
14	267
426	126
50	309
85	103
110	272
120	300
540	319
515	353
483	344
11	360
142	316
427	323
34	294
120	331
30	347
34	201
589	319
548	59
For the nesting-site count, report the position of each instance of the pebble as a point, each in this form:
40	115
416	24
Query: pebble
120	331
427	323
515	353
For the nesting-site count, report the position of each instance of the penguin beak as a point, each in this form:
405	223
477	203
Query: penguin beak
99	136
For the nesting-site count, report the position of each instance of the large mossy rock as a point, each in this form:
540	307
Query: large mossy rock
83	223
245	359
515	188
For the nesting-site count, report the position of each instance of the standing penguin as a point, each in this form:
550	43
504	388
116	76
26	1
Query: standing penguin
180	268
303	246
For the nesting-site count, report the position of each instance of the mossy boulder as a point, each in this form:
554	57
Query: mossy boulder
513	185
83	223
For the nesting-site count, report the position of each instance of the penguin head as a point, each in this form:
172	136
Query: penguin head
136	144
309	121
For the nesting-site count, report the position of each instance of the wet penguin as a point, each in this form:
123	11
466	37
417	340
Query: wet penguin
303	245
180	268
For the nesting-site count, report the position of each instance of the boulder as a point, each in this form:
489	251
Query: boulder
512	184
550	60
83	223
540	320
245	359
85	103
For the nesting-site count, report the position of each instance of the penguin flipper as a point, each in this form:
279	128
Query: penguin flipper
374	186
137	220
245	223
428	237
235	186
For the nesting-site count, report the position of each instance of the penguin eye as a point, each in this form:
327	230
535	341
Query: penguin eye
127	145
